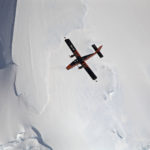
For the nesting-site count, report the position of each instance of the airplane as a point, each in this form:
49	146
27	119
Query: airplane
82	60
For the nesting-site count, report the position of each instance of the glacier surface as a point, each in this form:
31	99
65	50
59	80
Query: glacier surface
68	109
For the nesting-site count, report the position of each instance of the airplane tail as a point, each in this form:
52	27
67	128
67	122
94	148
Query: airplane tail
97	50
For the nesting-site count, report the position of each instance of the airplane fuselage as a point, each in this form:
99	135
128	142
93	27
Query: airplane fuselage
82	60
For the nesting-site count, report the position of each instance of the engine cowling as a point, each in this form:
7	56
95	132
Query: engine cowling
80	67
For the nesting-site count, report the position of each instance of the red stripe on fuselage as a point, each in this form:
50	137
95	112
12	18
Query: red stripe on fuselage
89	56
71	66
77	53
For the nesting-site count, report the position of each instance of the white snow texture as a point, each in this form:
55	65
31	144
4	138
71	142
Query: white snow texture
43	106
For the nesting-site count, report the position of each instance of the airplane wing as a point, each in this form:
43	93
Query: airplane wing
89	71
84	65
71	46
73	49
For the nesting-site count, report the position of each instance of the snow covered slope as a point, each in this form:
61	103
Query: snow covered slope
9	112
67	108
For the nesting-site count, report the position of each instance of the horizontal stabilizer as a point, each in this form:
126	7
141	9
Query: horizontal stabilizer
99	53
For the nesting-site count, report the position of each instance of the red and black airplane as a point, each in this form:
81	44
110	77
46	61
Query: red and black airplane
81	60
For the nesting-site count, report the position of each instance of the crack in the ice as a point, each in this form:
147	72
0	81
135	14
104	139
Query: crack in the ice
39	138
15	88
26	140
116	132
